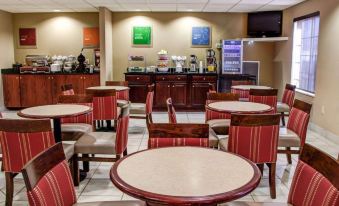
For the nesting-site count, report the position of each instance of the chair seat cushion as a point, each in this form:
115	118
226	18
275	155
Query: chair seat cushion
255	204
76	127
213	138
282	107
96	143
137	108
243	99
68	150
223	142
220	126
288	138
113	203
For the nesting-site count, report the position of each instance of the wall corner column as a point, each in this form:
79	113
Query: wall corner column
106	45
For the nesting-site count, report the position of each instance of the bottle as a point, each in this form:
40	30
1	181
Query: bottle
201	68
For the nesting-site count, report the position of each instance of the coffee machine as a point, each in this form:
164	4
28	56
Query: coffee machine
211	61
193	63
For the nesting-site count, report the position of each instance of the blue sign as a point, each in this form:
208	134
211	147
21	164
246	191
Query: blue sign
232	56
201	36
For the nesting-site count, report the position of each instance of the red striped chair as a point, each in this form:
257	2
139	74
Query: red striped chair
211	88
315	181
21	140
294	135
255	137
49	182
219	121
286	103
264	96
242	82
67	89
121	95
243	94
169	135
172	117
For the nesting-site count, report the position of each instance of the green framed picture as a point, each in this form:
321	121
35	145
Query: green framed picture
142	36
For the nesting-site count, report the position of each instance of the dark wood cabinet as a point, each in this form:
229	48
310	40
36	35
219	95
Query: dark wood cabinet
11	90
27	90
162	92
138	85
198	94
179	94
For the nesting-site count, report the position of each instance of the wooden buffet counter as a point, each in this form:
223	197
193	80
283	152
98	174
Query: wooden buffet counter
27	90
187	90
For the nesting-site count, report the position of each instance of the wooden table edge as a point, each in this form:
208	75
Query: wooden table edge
240	112
208	199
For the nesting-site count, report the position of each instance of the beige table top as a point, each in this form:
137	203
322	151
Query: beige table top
117	88
237	106
184	172
54	111
248	87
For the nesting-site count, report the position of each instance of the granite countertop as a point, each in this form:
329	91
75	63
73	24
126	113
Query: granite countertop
13	71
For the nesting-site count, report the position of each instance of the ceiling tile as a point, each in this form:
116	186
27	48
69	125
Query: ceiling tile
162	7
192	1
273	7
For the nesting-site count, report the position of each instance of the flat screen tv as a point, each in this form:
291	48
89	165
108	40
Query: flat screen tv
264	24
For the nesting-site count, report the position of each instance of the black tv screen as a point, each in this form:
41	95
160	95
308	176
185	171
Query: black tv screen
264	24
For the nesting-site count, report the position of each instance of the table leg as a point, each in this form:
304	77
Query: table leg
57	130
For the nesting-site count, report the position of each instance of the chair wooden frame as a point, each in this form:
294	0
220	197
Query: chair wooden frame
306	107
148	117
283	115
170	109
222	96
117	83
264	92
260	120
66	87
242	82
211	88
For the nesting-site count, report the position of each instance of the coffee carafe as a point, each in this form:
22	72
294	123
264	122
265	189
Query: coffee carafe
211	61
193	63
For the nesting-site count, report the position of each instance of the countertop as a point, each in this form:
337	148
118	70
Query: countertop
12	71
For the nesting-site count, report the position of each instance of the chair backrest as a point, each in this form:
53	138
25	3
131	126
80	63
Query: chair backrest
255	137
149	99
23	139
289	93
264	96
299	118
167	135
211	88
316	179
242	82
77	99
216	97
67	89
172	118
122	130
117	83
48	179
104	104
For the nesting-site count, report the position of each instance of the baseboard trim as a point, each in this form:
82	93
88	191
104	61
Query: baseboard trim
323	132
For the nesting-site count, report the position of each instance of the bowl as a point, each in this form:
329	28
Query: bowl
163	69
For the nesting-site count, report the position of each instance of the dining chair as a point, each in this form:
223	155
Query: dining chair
67	89
144	110
219	121
48	182
286	103
21	140
172	119
105	143
211	88
121	95
242	82
255	137
265	96
73	127
182	134
104	105
243	93
294	135
315	181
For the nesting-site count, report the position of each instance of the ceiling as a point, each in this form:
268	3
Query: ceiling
25	6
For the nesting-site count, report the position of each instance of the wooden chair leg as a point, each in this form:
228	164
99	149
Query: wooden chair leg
76	174
9	188
261	168
288	155
283	119
272	168
125	152
85	164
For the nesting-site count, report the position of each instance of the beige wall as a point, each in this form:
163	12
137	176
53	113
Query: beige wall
327	84
172	31
57	33
6	48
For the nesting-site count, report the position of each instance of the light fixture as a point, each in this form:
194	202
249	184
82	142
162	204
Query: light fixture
138	10
189	10
56	10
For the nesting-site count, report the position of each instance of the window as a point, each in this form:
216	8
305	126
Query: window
305	52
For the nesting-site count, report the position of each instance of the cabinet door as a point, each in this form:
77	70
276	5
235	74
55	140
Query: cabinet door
162	92
77	82
138	93
90	81
35	90
199	94
178	94
11	90
57	82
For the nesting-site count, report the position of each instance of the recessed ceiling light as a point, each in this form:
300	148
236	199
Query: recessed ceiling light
189	9
138	10
56	10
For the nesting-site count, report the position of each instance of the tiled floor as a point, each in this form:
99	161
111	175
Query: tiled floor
98	186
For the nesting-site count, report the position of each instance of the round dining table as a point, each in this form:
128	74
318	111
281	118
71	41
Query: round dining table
244	90
185	176
239	107
55	112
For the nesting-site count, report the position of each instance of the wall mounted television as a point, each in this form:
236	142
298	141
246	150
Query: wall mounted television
264	24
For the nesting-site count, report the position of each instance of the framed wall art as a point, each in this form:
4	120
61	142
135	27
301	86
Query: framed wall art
91	38
142	36
27	38
201	36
